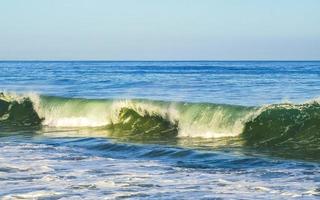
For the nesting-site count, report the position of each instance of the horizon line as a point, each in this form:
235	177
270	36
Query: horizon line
160	60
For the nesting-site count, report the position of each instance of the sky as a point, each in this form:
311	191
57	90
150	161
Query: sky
160	30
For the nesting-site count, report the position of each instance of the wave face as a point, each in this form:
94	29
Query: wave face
273	125
17	112
285	124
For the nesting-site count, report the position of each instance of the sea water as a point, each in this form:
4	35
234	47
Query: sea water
159	130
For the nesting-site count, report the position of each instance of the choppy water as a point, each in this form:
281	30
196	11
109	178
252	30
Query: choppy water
160	130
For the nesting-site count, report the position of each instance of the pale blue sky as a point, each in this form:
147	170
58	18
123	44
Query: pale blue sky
160	29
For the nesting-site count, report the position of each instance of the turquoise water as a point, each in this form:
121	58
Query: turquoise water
160	130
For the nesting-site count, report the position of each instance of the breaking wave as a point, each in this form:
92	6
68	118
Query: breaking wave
272	125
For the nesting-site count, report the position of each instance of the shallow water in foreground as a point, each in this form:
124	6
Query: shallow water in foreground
98	167
164	149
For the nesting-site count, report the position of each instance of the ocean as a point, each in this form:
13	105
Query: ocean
159	130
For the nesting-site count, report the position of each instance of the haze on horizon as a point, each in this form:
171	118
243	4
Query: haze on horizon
160	30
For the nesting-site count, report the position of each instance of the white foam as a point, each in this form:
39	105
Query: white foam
32	195
74	122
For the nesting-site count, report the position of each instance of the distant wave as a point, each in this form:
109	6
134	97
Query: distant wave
271	125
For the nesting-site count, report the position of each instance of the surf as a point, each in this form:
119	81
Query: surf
286	124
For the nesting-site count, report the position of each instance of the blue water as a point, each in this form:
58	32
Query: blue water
72	156
244	83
